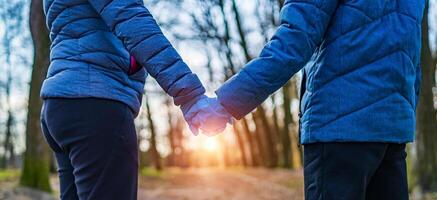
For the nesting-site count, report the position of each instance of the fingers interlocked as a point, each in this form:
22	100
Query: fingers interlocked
206	114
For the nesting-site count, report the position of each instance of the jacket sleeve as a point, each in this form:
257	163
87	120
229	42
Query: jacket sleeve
303	25
133	24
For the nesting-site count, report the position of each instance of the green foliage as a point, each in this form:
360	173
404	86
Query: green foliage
36	173
431	196
294	184
410	170
152	172
9	174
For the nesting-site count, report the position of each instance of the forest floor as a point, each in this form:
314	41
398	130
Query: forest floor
195	184
217	184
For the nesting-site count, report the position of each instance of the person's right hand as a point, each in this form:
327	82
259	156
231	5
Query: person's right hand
206	114
214	119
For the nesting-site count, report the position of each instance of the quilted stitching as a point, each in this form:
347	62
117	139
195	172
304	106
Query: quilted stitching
361	73
93	41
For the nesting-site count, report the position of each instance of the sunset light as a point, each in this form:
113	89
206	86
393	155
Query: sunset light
218	99
211	144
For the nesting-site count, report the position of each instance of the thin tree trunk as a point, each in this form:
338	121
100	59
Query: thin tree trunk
260	142
35	172
8	146
294	136
209	66
153	147
241	32
144	160
240	141
255	153
426	145
275	118
12	161
286	139
171	137
226	38
181	153
268	136
261	138
281	3
276	133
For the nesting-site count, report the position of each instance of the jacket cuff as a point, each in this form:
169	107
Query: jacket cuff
186	89
240	95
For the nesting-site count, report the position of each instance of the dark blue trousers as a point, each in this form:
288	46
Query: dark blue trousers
355	171
95	145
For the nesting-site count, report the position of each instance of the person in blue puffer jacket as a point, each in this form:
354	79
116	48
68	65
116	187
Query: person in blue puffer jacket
101	52
361	72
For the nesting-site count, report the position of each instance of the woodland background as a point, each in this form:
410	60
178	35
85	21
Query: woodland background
216	38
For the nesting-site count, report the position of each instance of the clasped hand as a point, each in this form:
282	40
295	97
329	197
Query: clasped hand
206	114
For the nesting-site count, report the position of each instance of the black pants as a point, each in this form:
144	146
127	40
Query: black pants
355	171
95	144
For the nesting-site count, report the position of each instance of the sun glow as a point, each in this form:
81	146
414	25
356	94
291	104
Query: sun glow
211	144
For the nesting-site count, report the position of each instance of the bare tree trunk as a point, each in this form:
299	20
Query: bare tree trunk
181	156
171	137
12	157
261	138
226	38
268	138
35	172
209	65
426	144
153	147
281	3
7	145
12	30
294	129
260	142
240	141
286	139
275	133
275	117
241	32
143	157
255	153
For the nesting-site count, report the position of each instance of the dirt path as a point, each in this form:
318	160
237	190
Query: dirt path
204	184
10	191
194	184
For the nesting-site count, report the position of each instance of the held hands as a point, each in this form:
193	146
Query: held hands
206	114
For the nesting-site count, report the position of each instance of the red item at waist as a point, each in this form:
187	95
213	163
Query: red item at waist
134	66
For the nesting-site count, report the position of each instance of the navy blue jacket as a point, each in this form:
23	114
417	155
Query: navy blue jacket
93	42
361	58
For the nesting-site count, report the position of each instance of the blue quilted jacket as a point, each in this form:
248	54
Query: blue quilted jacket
94	43
361	60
